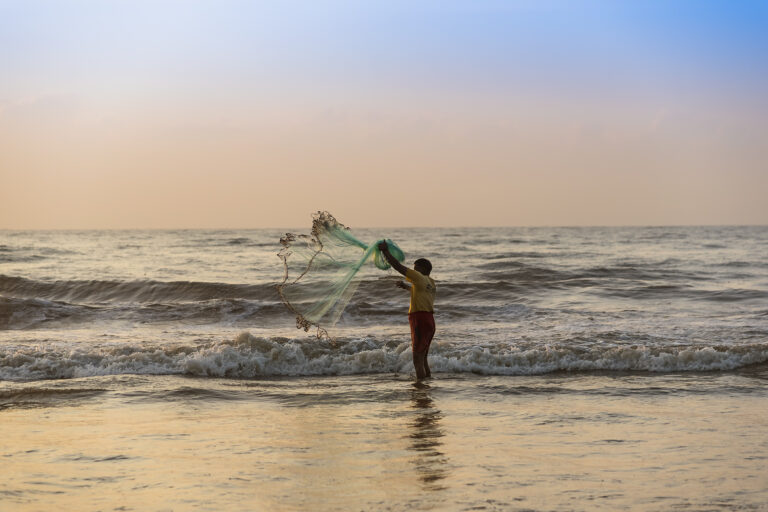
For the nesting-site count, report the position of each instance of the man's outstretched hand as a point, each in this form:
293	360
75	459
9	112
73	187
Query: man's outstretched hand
382	246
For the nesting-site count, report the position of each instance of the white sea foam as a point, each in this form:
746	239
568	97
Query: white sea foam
248	356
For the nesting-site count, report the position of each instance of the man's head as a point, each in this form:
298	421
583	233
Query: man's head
422	266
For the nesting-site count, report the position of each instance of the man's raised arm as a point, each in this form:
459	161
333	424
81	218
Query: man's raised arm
391	259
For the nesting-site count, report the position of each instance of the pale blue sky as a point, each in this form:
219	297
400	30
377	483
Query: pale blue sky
213	113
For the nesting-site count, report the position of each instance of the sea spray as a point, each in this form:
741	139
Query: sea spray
249	356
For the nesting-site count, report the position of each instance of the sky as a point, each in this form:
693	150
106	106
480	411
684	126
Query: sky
251	114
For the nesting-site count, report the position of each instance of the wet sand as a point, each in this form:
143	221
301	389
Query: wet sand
381	442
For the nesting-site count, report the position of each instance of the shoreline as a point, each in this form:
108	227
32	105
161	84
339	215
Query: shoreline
359	442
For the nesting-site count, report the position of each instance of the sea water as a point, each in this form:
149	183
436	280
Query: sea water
574	369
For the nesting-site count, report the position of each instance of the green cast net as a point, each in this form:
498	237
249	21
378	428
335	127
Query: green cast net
322	271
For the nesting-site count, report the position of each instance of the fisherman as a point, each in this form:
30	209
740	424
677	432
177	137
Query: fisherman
421	312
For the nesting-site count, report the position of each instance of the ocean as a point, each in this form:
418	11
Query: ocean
616	368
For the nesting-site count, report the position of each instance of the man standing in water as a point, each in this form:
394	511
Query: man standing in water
421	312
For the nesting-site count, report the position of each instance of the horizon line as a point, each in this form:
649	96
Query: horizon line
499	226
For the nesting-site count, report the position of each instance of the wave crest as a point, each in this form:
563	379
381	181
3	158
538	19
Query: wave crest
248	356
131	291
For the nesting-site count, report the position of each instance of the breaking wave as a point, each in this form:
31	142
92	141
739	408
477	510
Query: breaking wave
249	356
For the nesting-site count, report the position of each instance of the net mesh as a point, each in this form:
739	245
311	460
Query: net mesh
322	271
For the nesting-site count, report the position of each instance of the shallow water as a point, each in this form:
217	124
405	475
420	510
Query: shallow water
382	442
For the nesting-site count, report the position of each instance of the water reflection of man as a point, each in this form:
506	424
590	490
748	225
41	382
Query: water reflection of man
425	437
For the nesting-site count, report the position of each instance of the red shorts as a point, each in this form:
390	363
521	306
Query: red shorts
422	330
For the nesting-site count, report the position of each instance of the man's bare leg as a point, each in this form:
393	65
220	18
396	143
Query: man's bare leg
419	363
427	372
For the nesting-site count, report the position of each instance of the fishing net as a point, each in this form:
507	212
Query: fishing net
322	271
